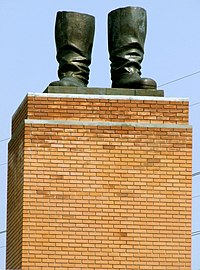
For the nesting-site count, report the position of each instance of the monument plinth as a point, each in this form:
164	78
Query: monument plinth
104	91
99	182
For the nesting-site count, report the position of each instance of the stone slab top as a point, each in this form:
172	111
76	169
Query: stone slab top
103	91
119	97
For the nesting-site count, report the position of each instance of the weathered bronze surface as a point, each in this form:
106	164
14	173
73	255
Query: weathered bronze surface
104	91
74	34
126	37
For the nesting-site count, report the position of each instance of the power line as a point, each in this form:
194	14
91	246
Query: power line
195	174
3	232
194	104
195	233
181	78
3	140
2	164
197	196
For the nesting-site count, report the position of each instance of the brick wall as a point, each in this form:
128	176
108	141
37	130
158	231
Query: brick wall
15	201
106	183
148	110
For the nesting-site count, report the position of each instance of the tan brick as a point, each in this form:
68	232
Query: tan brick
99	197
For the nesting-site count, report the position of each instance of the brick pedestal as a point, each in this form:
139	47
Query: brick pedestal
99	182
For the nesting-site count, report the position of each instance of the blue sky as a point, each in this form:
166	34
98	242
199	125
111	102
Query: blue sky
28	64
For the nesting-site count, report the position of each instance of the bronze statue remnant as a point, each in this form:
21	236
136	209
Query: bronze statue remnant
74	34
126	37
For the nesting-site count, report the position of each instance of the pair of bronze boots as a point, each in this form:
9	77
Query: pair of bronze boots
74	34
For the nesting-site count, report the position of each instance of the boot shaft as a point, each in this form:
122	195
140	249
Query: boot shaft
127	27
73	29
126	36
74	34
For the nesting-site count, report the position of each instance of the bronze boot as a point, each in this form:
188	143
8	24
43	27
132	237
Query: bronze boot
74	34
126	37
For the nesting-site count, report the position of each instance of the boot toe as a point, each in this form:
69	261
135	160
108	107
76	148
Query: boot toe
147	83
134	81
68	81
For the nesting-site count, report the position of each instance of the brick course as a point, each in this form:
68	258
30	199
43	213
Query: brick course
155	110
91	196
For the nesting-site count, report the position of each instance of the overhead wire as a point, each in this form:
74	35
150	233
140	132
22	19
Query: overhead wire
181	78
3	140
2	164
194	104
195	233
195	174
197	196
